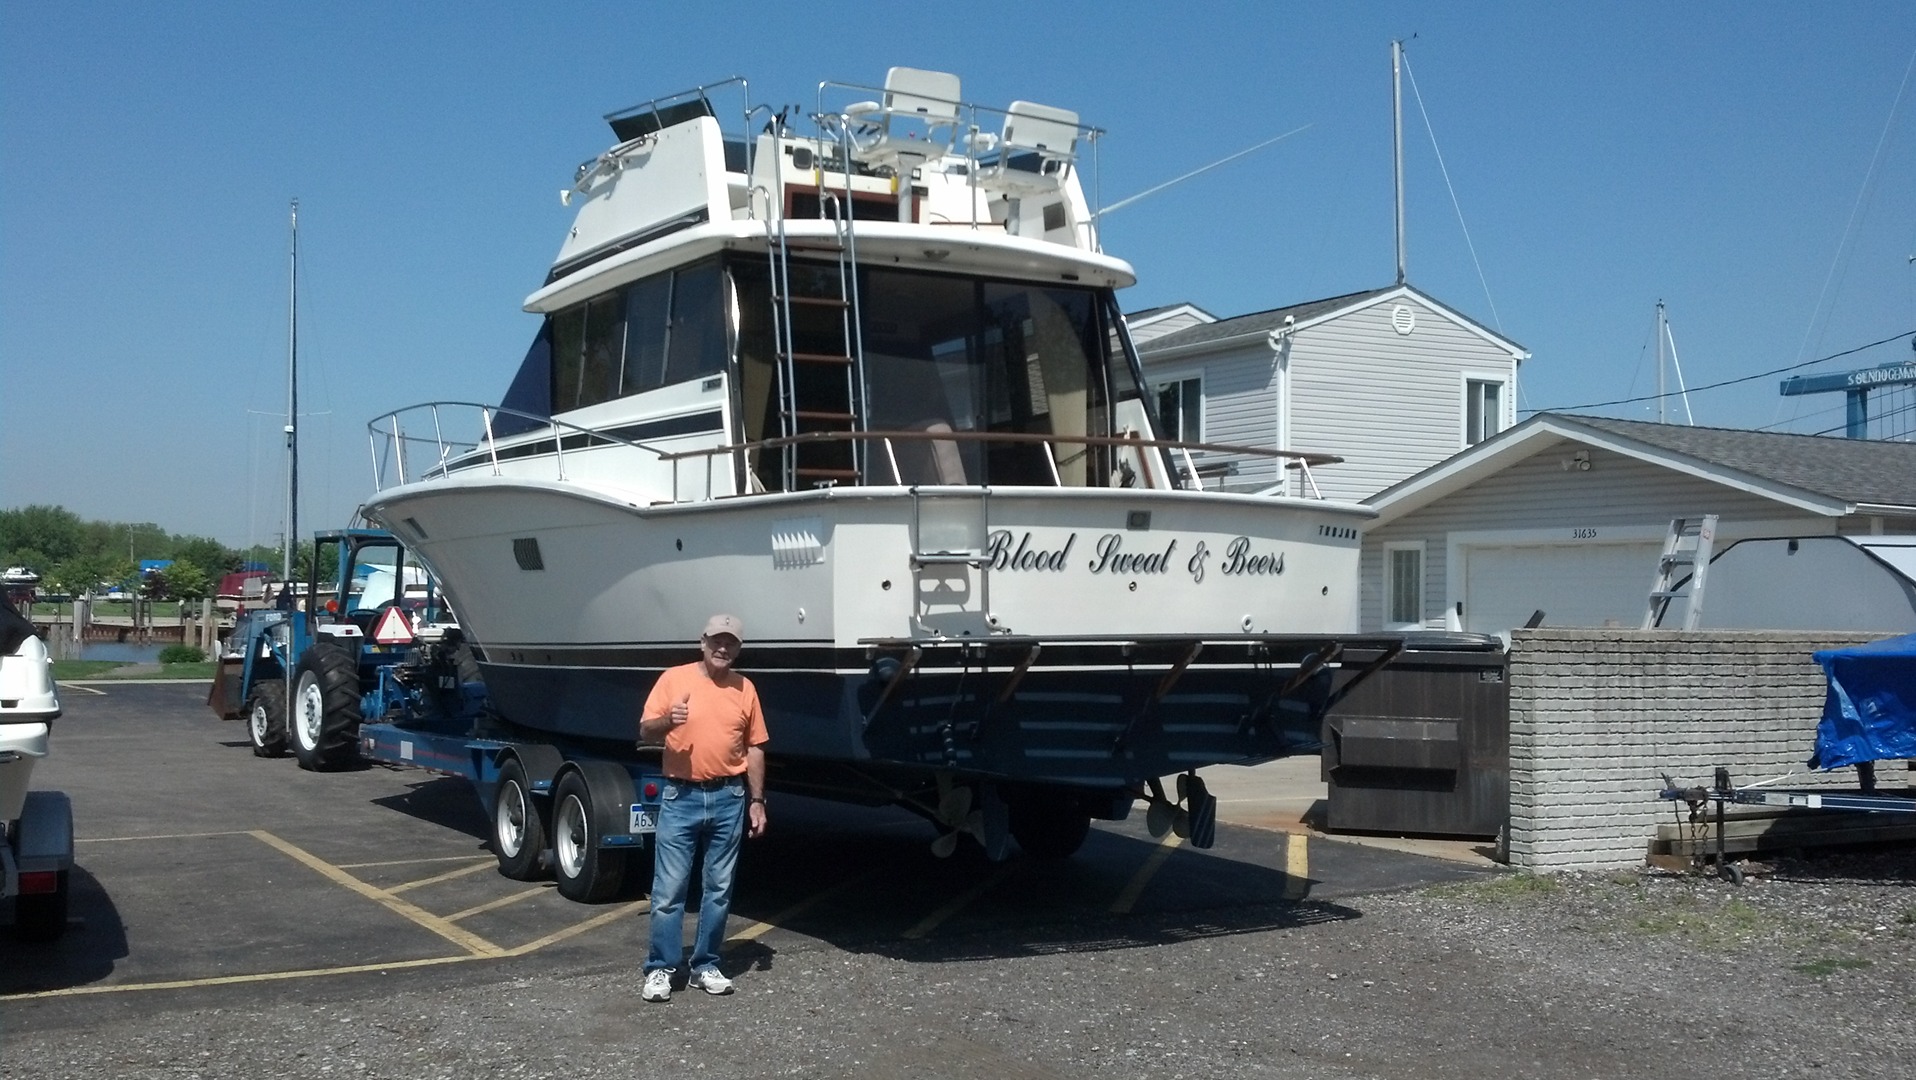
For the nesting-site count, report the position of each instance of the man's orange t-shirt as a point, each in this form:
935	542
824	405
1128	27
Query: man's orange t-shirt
722	722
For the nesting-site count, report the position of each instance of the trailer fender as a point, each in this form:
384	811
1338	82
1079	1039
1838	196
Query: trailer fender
541	763
46	832
610	786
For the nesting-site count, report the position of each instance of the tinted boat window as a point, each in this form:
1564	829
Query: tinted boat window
531	389
697	345
568	352
648	304
604	350
964	355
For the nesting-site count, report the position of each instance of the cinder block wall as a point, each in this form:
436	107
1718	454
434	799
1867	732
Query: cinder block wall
1597	716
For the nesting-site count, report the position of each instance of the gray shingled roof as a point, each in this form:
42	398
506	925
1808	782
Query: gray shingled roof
1853	470
1258	322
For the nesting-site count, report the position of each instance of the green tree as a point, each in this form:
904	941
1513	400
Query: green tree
183	581
51	532
209	556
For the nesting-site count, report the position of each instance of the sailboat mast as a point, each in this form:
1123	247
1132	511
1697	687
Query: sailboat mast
292	401
1662	403
1397	141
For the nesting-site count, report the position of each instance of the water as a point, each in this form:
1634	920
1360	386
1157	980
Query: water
124	652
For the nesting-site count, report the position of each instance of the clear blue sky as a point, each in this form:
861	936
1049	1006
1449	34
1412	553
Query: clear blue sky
1713	155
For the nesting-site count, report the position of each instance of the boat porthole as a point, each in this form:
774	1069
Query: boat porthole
1325	591
801	614
885	585
1134	586
680	544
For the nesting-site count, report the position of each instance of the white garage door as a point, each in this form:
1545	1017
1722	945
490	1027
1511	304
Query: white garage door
1573	584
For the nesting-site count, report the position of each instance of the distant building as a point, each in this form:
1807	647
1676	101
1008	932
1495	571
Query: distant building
1391	380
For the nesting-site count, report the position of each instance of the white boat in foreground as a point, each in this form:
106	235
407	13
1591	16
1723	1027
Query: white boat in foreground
868	387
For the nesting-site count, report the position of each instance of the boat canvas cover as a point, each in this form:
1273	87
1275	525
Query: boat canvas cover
1870	711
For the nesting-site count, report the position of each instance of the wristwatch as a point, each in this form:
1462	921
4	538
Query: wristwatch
759	799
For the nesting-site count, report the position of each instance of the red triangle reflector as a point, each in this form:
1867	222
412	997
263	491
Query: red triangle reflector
393	628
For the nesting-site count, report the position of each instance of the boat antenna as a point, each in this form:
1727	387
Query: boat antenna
1122	203
292	410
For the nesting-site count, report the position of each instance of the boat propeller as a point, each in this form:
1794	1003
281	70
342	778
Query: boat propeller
1193	816
956	815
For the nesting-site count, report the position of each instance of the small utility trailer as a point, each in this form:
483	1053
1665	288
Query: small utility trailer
1722	793
1869	715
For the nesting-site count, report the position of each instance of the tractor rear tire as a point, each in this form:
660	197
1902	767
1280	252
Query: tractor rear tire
325	717
266	717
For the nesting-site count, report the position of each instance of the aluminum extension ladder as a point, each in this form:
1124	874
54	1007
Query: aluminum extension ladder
1687	546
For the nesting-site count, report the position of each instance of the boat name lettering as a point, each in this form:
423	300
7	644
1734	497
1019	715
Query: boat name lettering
1112	559
1024	556
1003	551
1238	559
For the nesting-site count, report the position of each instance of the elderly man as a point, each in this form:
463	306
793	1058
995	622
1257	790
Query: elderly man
708	717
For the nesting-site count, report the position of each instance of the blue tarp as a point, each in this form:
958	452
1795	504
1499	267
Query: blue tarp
1870	712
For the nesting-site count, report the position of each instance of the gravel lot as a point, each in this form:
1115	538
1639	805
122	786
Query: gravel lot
1809	971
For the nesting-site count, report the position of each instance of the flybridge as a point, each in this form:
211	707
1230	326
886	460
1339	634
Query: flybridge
912	152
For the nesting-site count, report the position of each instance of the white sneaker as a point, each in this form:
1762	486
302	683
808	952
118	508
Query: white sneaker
711	980
658	985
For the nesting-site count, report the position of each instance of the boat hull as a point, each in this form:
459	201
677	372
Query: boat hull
1086	637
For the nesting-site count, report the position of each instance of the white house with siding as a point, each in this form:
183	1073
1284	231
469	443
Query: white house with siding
1567	515
1390	380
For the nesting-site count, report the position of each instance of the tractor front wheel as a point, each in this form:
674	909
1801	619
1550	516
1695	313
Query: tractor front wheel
325	720
266	716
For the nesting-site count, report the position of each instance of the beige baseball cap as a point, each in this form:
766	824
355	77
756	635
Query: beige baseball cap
724	624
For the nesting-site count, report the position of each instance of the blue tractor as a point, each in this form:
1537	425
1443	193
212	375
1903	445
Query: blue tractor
375	640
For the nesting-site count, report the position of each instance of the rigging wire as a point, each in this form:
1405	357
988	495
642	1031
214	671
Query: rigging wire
1733	382
1838	262
1128	200
1448	186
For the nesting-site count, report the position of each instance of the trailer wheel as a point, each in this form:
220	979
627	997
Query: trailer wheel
41	916
266	717
585	871
325	720
518	825
1048	827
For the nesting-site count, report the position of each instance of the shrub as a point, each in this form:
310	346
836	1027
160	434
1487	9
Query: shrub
182	654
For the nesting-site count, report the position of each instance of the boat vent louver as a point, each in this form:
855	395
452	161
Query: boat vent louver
525	549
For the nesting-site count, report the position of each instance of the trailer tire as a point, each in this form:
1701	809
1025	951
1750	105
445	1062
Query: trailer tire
1049	827
325	716
518	825
266	717
41	916
585	871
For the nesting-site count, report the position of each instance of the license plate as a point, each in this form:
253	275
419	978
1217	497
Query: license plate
643	820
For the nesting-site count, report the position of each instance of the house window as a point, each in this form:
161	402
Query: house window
1483	409
1181	410
1403	585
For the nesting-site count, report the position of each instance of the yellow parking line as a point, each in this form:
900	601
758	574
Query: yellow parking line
499	903
758	930
459	936
958	903
401	862
166	836
1129	897
229	980
447	876
580	928
1297	866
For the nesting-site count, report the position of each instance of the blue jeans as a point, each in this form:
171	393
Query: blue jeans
692	818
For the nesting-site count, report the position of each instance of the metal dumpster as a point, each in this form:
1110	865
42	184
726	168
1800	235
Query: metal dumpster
1423	747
